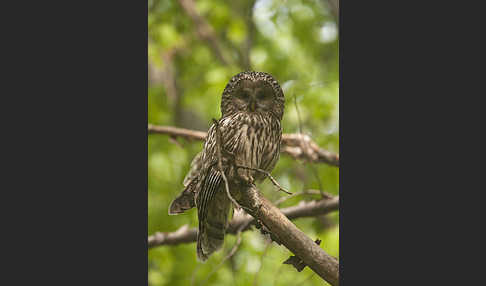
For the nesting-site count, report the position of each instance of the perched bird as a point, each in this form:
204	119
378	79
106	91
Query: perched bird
252	107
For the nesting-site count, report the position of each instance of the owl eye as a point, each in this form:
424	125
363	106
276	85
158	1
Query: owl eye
243	94
261	95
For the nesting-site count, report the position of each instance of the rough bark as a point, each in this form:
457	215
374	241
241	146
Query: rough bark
286	233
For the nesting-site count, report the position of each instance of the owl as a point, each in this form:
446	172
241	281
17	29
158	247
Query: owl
252	107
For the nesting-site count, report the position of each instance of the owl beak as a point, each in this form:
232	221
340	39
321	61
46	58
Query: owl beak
252	105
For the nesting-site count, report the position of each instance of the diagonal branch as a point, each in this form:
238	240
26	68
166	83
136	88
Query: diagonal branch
299	146
284	232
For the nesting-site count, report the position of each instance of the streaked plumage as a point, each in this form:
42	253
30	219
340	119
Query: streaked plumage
252	107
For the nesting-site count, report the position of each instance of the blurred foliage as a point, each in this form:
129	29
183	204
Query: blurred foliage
297	42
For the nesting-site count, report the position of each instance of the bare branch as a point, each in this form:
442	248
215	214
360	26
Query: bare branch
177	132
306	192
183	235
286	233
292	144
312	208
188	235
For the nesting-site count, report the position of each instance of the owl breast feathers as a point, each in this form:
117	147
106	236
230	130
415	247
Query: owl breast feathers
252	107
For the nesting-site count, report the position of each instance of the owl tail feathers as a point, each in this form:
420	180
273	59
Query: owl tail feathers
212	228
183	202
201	256
209	240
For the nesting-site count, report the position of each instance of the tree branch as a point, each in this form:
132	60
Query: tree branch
299	146
183	235
188	235
284	232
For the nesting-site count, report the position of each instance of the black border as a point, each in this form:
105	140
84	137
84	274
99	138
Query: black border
80	144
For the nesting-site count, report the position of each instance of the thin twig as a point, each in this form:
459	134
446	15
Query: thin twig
268	175
306	192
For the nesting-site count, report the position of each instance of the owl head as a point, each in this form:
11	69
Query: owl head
253	92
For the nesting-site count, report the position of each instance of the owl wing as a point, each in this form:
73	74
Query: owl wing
210	186
213	204
213	207
185	200
196	166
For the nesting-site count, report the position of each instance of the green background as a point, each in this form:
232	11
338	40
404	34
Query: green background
297	42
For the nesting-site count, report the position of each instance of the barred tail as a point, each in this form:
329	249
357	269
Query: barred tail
212	228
